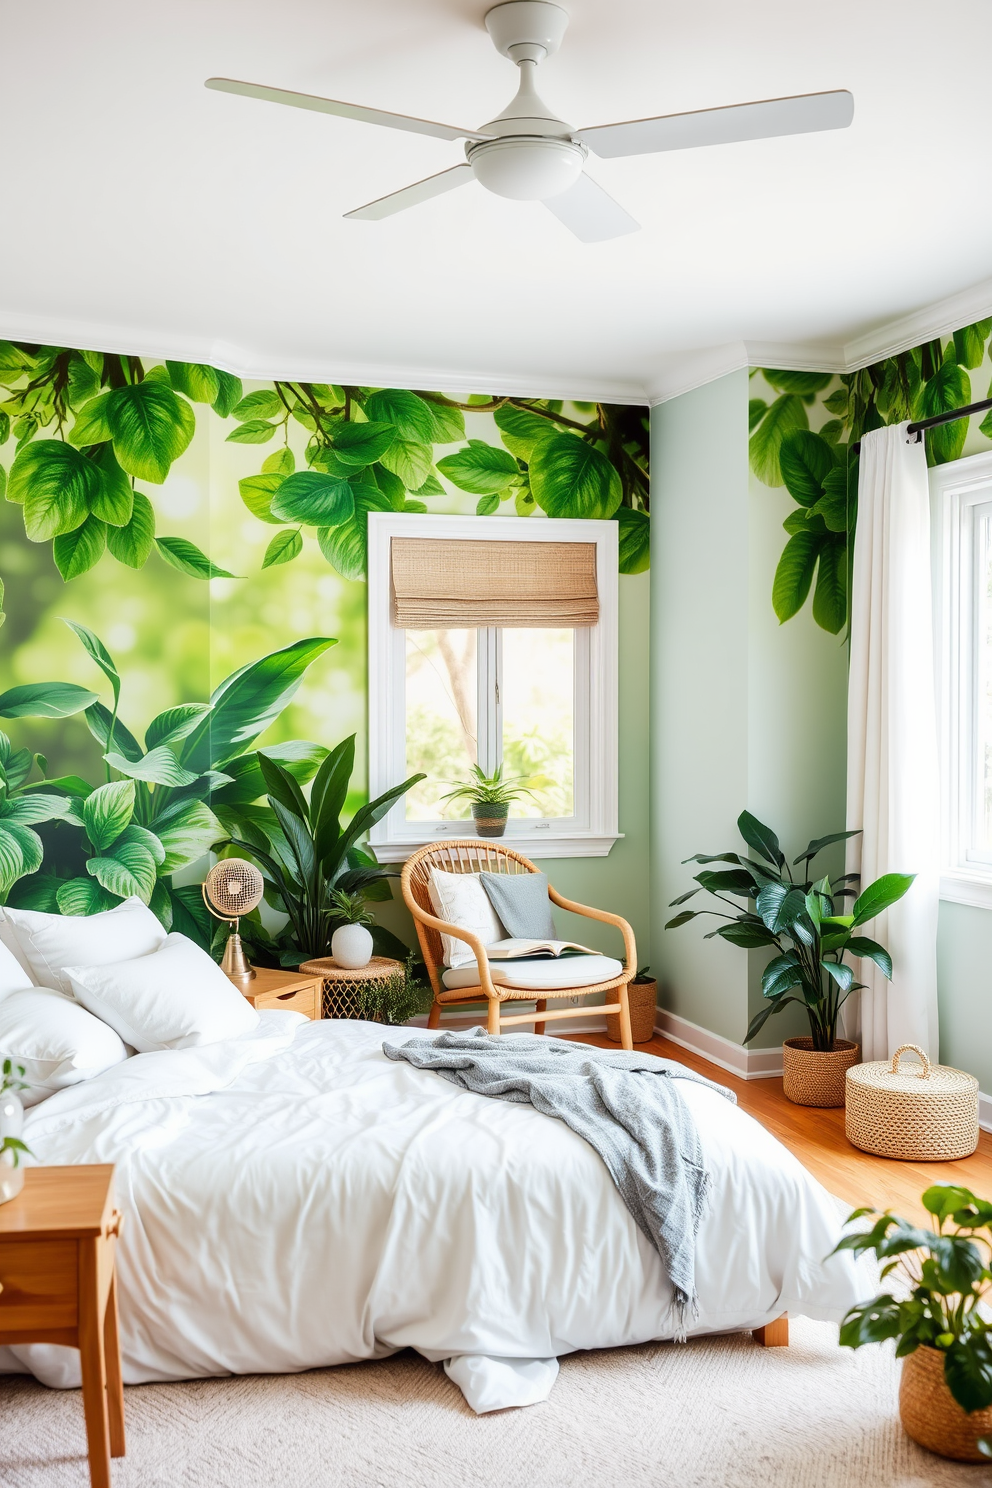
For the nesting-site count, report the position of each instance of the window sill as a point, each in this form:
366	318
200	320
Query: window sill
961	887
535	845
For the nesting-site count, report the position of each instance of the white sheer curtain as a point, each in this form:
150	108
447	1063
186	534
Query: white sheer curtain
893	790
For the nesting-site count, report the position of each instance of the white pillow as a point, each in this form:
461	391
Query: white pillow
10	942
460	899
13	976
51	942
173	998
58	1042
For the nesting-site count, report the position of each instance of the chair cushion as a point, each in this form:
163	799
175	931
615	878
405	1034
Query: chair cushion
544	974
460	899
522	903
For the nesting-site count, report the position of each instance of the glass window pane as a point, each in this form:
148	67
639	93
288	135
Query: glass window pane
983	701
537	693
440	719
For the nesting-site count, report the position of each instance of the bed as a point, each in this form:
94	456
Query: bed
294	1199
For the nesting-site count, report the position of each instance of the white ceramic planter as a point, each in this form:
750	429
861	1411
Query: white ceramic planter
351	946
11	1125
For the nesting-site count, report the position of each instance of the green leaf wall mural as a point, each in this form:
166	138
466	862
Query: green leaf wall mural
818	466
90	429
167	535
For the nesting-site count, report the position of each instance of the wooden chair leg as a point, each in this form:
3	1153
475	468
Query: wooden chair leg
540	1006
626	1040
492	1023
434	1016
115	1380
774	1334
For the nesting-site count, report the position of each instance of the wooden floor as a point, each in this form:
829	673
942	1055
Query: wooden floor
817	1139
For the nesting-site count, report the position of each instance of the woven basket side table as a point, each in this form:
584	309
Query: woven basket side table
343	987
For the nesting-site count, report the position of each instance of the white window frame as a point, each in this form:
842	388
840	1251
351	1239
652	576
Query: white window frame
594	828
958	490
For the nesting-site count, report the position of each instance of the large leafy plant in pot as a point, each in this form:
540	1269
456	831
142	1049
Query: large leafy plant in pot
942	1333
309	857
802	919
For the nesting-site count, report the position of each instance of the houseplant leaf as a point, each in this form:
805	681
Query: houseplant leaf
57	485
569	478
481	468
107	812
132	543
98	651
761	838
150	426
284	547
311	497
187	557
880	895
635	540
784	415
45	700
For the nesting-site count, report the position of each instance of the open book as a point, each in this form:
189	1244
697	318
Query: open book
513	950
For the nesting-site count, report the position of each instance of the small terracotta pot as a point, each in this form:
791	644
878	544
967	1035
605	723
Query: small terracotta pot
931	1416
642	998
812	1078
490	819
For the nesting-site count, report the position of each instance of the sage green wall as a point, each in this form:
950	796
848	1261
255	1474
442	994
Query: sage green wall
964	973
620	881
745	712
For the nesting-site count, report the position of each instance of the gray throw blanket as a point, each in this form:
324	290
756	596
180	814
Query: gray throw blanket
640	1126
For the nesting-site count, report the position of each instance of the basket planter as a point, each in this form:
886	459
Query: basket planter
642	998
490	818
811	1077
931	1416
916	1112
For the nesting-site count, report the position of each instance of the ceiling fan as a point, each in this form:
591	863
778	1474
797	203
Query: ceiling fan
528	154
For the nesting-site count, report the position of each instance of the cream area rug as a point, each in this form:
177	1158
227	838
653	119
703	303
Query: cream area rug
717	1413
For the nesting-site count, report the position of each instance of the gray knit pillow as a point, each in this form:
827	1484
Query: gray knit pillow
522	903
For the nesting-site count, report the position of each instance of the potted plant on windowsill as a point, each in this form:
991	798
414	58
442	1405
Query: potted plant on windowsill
942	1337
491	797
799	919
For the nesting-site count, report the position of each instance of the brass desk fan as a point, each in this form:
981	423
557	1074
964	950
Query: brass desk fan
231	889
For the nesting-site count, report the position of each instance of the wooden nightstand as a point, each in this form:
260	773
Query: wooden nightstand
57	1273
283	989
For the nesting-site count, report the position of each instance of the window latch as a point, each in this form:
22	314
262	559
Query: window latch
496	690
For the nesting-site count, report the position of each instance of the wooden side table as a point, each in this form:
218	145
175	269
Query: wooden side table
343	985
58	1286
283	989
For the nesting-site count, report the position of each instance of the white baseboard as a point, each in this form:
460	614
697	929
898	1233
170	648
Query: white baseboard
985	1111
747	1064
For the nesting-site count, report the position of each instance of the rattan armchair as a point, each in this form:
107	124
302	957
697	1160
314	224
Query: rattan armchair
475	856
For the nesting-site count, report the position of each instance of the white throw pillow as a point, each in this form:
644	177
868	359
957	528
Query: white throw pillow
58	1042
13	977
173	998
51	942
9	940
460	899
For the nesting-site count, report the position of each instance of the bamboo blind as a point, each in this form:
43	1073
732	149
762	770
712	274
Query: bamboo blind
449	583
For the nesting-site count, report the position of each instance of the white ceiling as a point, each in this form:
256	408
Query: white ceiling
143	212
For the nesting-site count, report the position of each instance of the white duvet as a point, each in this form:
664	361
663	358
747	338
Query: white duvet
294	1199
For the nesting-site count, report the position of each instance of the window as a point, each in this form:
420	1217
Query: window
961	495
540	699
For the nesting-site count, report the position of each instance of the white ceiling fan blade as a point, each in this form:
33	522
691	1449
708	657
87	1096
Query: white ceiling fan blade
803	114
345	110
591	213
411	196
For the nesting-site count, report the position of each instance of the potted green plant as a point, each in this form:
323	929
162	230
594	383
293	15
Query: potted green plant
491	797
397	999
942	1336
351	943
642	1003
11	1126
800	919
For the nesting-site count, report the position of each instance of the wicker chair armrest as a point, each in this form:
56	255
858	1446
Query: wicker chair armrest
458	932
608	918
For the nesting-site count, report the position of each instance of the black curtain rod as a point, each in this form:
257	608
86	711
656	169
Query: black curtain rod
939	418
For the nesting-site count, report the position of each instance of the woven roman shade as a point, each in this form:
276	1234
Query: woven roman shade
445	583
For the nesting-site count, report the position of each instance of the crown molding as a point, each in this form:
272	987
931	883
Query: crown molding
229	357
686	371
937	319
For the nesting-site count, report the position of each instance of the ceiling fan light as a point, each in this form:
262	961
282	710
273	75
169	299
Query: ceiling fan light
527	169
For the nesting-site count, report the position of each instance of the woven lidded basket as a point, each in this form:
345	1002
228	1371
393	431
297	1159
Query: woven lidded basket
921	1113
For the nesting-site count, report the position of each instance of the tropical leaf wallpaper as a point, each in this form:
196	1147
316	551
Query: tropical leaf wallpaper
181	574
803	426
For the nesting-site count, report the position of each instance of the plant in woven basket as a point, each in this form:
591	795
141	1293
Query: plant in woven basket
398	998
946	1278
797	917
307	855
